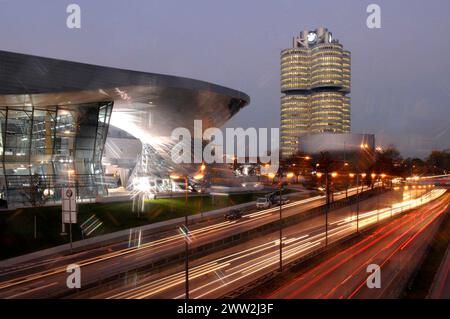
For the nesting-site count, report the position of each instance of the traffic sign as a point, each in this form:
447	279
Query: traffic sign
69	205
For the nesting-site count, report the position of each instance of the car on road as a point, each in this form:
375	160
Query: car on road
263	202
234	214
284	200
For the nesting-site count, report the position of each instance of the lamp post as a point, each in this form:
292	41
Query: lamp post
186	243
328	200
373	182
373	175
350	179
383	176
346	186
363	175
281	221
327	206
186	229
334	175
70	172
362	148
202	170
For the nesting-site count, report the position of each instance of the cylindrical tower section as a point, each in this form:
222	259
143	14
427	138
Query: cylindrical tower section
327	65
295	69
327	112
295	119
316	81
346	71
346	114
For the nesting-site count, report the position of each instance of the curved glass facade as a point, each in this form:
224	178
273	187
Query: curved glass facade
43	147
315	78
55	116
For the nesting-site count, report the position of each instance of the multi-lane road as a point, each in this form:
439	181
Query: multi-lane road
211	276
395	247
46	276
227	270
441	289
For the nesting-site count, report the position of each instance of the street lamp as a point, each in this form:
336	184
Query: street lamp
373	176
327	193
383	176
363	175
351	176
271	176
327	207
266	166
199	176
280	186
70	172
202	172
333	176
415	192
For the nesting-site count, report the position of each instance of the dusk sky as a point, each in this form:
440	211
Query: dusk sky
400	73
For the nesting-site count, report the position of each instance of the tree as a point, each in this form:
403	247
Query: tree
388	161
438	162
35	196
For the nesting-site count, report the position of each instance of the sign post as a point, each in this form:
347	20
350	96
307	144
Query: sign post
69	209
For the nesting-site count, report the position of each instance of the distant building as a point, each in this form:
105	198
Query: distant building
315	82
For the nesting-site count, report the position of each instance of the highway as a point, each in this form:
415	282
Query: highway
396	247
441	286
219	273
46	277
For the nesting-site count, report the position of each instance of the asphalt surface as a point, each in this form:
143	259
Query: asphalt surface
395	247
219	273
211	276
441	286
46	277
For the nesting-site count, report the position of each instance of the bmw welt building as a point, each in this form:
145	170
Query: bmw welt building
55	117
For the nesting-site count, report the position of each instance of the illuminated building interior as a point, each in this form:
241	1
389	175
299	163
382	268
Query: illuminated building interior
55	117
315	81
